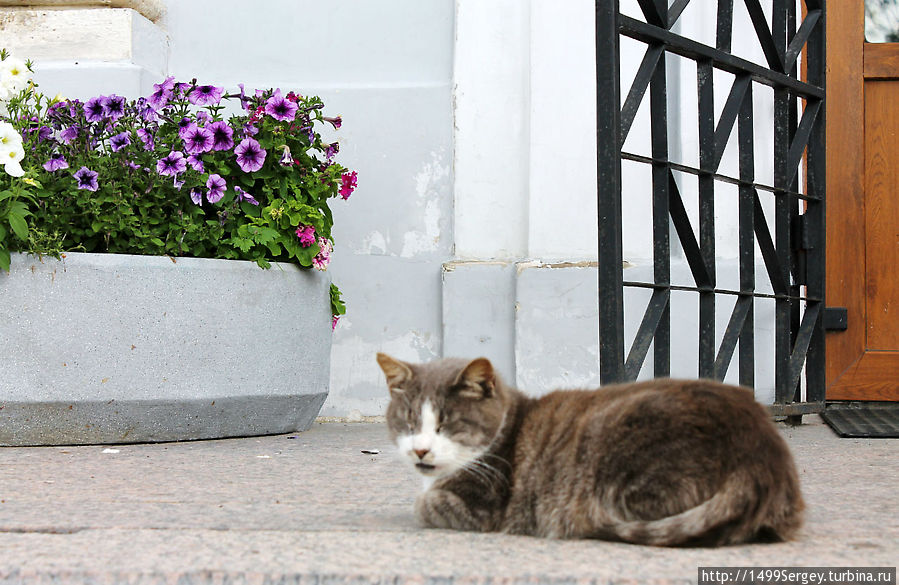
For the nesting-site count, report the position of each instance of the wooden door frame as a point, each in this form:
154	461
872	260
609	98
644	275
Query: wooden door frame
852	372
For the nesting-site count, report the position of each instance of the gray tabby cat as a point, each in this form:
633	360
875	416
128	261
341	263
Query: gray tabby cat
663	462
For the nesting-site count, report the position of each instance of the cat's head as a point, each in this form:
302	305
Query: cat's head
444	414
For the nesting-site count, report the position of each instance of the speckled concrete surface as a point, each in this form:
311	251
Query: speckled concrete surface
312	508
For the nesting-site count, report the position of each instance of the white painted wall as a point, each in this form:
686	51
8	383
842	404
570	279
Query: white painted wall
491	128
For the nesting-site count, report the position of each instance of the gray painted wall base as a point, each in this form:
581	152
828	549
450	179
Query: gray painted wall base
148	421
107	348
539	323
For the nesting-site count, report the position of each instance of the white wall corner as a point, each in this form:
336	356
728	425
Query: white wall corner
152	10
80	51
562	173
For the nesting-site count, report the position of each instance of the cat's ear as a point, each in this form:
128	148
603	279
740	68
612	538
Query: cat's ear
397	372
477	380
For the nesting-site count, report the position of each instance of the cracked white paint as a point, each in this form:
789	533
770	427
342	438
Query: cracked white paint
358	384
416	242
430	185
374	243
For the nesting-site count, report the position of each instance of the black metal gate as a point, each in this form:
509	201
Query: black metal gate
793	255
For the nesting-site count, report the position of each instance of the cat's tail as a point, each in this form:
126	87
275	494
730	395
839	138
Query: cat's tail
739	512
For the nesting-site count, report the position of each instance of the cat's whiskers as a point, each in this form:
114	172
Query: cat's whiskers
483	470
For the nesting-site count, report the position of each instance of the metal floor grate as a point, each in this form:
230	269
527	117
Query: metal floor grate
855	421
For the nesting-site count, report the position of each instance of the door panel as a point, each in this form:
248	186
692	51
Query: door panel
882	213
862	208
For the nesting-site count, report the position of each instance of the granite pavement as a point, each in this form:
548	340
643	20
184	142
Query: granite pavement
334	505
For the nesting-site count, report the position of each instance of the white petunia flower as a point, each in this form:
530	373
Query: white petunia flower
10	139
11	161
14	74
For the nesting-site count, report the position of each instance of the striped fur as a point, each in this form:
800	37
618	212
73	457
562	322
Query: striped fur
663	462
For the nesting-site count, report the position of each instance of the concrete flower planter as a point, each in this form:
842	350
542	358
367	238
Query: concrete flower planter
108	348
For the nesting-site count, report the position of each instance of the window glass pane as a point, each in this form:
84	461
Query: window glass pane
882	21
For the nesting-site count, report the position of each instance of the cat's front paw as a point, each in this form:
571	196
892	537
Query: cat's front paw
438	508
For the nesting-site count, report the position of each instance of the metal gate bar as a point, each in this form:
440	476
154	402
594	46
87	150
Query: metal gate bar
793	255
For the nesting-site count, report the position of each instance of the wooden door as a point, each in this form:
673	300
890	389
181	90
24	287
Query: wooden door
862	206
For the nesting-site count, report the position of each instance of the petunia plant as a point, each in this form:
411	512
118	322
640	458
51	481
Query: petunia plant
190	170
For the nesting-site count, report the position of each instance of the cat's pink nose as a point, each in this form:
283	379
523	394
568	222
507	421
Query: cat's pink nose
421	452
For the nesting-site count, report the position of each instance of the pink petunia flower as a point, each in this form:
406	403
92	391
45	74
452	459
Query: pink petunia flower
306	233
347	184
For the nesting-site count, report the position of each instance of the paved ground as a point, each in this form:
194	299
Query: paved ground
312	508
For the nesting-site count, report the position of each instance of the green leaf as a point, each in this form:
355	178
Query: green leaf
4	259
242	243
264	235
18	225
274	248
264	173
19	208
250	209
338	307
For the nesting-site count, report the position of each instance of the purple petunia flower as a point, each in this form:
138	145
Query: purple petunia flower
93	109
244	101
203	117
250	155
347	184
250	130
206	95
184	125
55	111
69	134
113	106
162	94
177	183
217	186
310	133
196	163
331	150
306	233
222	136
86	178
119	141
172	164
181	89
280	108
146	111
57	162
44	133
286	159
244	196
197	140
196	195
147	138
336	122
